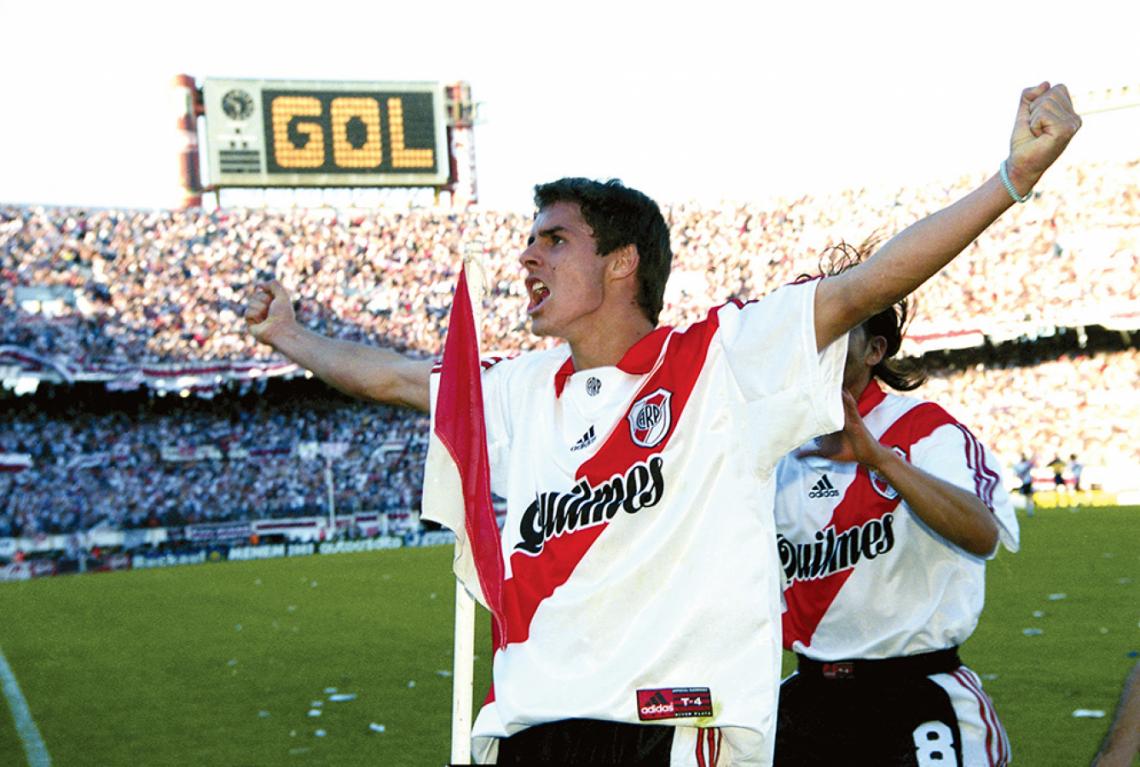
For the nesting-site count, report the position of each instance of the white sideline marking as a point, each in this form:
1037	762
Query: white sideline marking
34	746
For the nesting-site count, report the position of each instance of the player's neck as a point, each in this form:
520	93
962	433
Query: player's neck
604	346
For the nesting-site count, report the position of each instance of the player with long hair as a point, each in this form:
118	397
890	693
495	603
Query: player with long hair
884	529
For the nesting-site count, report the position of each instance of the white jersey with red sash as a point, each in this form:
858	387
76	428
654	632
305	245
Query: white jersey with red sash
865	577
641	569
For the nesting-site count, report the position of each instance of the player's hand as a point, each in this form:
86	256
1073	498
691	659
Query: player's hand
854	443
268	310
1046	122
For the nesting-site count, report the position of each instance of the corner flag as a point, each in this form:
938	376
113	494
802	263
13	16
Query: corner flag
457	494
457	479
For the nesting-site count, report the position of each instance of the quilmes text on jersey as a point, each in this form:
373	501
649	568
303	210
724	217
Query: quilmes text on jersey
551	514
833	552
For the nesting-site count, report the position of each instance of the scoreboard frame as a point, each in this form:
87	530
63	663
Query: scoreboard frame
304	133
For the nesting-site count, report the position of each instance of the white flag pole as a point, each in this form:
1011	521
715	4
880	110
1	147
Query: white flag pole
463	676
463	660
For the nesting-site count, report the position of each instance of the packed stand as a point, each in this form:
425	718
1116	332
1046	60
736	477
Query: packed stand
112	290
136	288
172	461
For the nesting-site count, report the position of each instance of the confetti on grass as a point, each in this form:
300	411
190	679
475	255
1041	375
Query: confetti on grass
1032	632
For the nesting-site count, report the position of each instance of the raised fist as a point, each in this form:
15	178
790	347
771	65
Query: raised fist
268	309
1046	122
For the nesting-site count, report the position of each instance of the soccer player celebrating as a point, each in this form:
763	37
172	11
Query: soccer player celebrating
883	531
641	588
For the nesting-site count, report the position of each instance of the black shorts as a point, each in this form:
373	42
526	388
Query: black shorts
588	743
912	719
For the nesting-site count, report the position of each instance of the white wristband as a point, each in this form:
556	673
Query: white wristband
1009	185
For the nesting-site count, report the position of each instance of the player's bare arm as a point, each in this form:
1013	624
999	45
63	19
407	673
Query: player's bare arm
367	372
957	515
1046	122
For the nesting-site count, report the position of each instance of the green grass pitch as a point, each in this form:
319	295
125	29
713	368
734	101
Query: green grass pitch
222	664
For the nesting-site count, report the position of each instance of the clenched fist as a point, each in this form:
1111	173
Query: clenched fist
1046	122
268	309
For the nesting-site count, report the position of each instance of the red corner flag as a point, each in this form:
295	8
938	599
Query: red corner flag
457	473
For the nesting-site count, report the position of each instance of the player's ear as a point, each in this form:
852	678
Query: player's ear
623	261
876	351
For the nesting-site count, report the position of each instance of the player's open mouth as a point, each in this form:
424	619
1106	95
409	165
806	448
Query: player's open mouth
538	293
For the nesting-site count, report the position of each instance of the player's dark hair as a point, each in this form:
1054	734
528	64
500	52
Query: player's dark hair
890	323
620	216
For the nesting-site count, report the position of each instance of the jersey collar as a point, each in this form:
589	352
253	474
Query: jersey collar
638	360
870	397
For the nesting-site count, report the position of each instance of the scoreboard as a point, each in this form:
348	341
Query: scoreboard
267	133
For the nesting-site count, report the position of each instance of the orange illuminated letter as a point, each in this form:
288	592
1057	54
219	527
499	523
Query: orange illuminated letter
298	139
356	132
401	157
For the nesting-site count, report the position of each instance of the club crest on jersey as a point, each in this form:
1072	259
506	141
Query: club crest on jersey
880	484
650	418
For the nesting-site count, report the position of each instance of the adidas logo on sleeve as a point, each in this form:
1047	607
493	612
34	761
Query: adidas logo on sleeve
823	489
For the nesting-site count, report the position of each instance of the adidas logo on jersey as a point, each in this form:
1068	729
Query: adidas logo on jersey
657	707
586	440
823	489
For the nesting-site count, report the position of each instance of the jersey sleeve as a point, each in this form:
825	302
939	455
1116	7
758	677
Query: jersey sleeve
952	453
791	390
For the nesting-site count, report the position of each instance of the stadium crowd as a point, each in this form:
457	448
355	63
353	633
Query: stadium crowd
137	287
200	461
109	289
242	458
